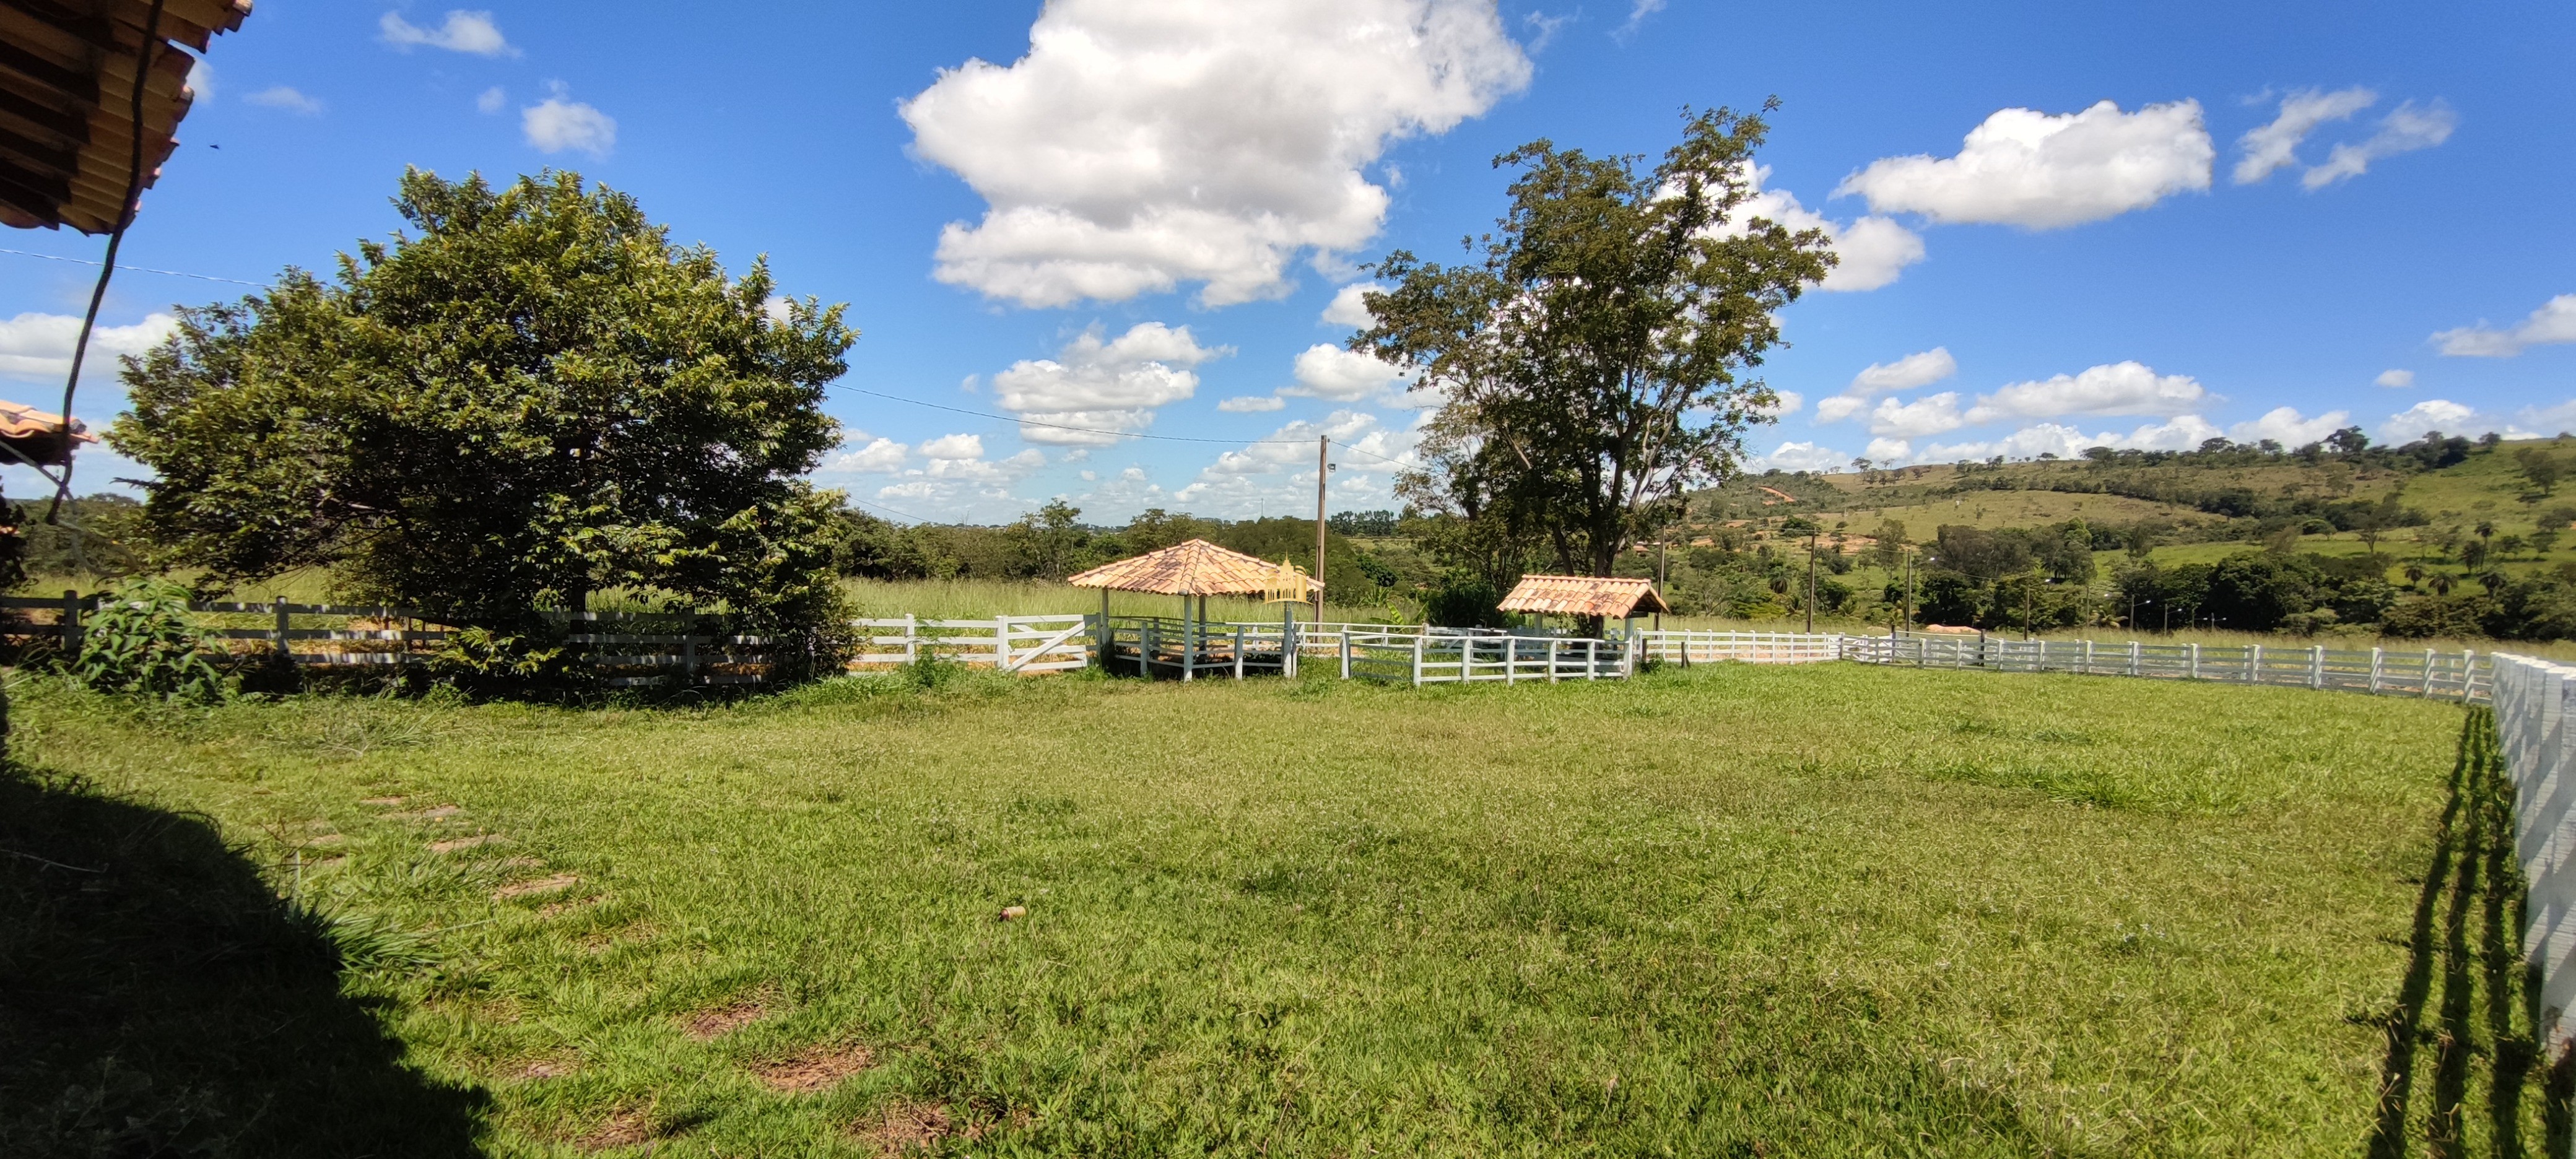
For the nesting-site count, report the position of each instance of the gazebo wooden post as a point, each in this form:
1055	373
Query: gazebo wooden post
1104	643
1189	641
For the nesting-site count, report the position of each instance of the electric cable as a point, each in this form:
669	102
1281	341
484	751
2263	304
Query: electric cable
126	212
135	269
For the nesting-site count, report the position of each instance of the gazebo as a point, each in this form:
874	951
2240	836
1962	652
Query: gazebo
1193	571
1609	597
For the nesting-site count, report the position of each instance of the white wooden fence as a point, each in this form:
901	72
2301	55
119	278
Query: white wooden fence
2463	675
1003	643
2535	701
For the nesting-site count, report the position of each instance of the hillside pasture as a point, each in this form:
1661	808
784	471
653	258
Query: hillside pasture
1830	910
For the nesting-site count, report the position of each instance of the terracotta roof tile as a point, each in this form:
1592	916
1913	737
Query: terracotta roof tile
1583	595
1196	568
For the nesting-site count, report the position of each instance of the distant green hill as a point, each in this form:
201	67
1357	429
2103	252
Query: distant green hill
2469	538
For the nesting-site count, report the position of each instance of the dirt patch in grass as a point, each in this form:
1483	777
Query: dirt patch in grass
724	1020
380	800
451	846
560	881
543	1068
430	814
624	1129
815	1069
905	1126
558	908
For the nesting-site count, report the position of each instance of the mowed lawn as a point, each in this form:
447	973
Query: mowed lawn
1829	910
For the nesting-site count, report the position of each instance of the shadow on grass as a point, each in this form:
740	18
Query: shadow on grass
157	999
2468	999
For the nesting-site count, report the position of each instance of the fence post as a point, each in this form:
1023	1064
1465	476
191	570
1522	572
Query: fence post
911	638
1552	643
2254	664
1238	651
1001	643
2134	669
2427	690
688	661
2317	666
1346	651
71	624
2468	671
1592	659
1418	641
2195	661
2377	656
285	654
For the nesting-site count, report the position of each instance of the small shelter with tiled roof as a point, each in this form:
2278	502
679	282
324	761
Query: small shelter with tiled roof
1609	597
1195	568
68	76
1193	571
32	437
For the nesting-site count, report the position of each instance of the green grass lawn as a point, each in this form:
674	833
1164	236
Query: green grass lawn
1829	910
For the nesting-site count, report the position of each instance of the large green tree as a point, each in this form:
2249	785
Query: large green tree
529	395
1594	365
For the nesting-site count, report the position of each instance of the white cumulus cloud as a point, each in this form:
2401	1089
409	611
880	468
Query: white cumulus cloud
1786	403
1112	385
2395	379
1799	456
1328	371
1277	474
2432	414
2552	324
1888	451
491	100
1872	251
1252	404
1346	308
282	97
1907	373
557	124
2275	146
2404	130
2287	427
1929	415
877	457
2028	168
2119	388
1142	145
2181	433
471	32
38	347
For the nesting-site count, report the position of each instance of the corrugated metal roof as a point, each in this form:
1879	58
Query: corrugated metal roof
1584	595
1196	568
69	67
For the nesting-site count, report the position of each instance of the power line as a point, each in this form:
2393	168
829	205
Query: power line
1061	427
136	269
1117	434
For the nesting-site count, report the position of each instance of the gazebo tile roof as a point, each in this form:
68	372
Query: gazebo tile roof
1195	568
1583	595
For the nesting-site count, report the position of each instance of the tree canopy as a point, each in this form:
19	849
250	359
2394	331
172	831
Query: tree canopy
1592	367
530	395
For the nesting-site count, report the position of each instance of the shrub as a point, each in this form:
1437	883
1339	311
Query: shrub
143	642
488	663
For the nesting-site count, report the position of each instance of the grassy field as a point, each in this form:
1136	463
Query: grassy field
1816	911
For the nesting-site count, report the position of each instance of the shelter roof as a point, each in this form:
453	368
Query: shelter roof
1584	595
1196	568
37	436
67	126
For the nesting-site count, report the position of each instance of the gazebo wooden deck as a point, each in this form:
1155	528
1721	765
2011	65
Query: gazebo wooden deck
1189	646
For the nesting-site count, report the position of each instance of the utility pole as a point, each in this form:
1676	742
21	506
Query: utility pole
1323	448
1811	579
1909	591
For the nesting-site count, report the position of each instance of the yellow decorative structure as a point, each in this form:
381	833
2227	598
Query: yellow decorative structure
1289	586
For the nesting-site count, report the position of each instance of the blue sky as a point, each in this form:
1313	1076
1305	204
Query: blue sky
2057	231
